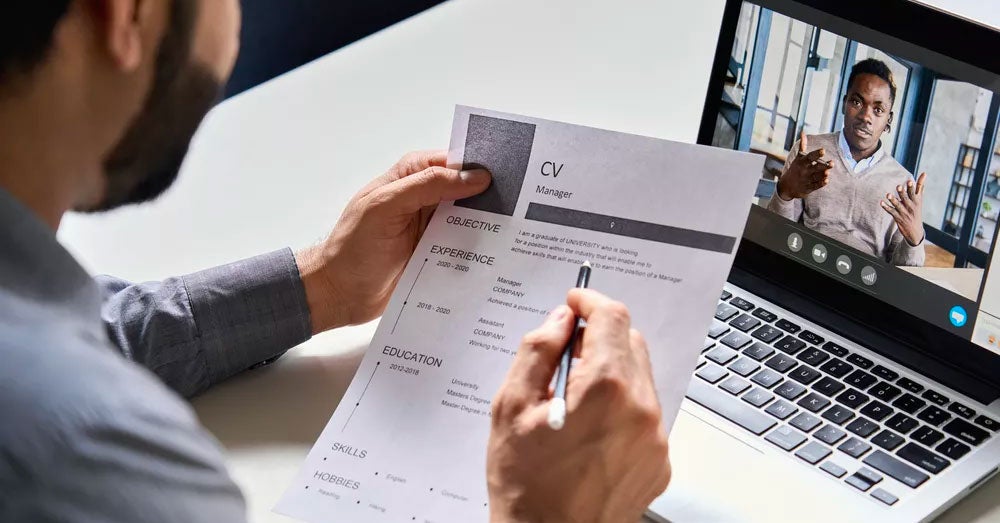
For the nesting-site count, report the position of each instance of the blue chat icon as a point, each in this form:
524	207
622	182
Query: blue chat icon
958	316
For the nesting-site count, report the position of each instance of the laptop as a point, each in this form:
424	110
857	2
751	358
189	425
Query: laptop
848	376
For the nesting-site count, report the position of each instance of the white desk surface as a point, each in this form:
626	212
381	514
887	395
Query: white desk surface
274	167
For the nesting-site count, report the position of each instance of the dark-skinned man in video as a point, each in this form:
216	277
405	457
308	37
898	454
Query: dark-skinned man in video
847	186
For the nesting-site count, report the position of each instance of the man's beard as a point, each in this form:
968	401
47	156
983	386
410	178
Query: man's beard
149	156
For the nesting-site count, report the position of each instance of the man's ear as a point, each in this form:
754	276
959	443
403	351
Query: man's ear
124	23
843	106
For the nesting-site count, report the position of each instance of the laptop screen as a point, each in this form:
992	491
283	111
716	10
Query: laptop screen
882	162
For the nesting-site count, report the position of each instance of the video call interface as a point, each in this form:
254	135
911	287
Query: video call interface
883	162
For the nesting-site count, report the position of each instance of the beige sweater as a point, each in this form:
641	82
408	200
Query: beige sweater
847	209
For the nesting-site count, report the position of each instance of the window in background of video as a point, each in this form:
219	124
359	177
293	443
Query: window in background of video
786	76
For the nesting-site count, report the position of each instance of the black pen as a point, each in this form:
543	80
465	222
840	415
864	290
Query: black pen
557	408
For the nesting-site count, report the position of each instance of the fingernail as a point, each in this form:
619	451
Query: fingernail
557	314
899	187
475	176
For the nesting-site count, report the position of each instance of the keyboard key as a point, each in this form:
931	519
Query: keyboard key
858	483
744	367
786	437
884	373
726	295
814	402
934	397
813	356
860	361
888	440
781	409
935	416
767	334
717	329
965	431
742	304
884	496
787	326
869	475
909	403
884	391
910	385
854	447
835	349
735	385
730	408
962	410
745	322
862	427
804	375
927	436
758	397
765	315
877	410
811	337
790	345
725	312
922	458
708	345
790	390
838	414
902	423
758	351
721	355
833	469
828	386
836	368
852	398
813	453
711	373
829	434
988	423
781	363
895	469
953	448
736	340
766	378
860	379
805	422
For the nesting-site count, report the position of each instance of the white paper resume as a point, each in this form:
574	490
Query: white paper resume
659	222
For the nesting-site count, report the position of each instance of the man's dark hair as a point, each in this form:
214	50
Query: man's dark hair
26	31
877	68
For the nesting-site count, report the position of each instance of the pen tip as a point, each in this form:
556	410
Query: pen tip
586	264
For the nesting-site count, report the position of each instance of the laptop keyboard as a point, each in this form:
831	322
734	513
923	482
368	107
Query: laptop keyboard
854	419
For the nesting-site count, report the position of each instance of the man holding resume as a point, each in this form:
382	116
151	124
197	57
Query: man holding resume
98	101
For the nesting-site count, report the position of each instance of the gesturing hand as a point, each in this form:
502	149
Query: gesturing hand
807	172
906	207
349	277
609	462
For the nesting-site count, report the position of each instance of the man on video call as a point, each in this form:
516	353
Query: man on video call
858	194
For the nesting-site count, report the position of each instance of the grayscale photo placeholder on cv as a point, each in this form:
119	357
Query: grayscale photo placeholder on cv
502	147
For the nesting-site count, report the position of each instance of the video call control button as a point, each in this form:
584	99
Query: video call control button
795	242
819	253
868	275
843	264
958	316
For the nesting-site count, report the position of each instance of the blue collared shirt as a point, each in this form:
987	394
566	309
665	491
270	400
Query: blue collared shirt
858	167
92	423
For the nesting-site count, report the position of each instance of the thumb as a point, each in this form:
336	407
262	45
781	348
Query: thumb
538	356
803	141
430	187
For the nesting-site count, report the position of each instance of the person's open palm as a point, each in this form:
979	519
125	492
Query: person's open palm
350	276
906	208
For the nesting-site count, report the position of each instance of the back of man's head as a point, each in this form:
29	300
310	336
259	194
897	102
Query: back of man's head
26	31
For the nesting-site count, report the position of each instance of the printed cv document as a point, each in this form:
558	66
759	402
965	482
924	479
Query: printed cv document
659	222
